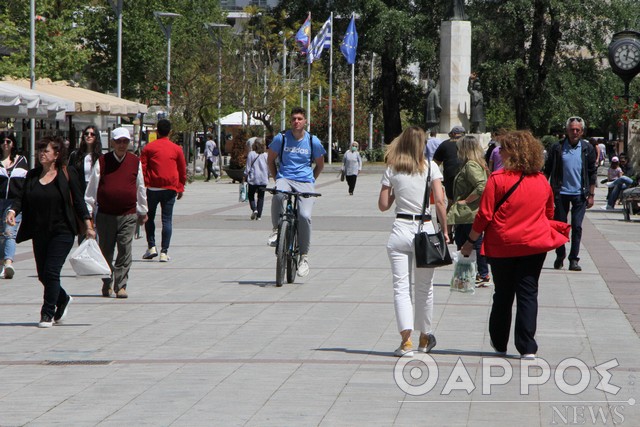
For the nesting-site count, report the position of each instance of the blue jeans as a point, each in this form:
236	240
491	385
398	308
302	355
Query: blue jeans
616	188
50	253
8	237
166	199
578	208
460	236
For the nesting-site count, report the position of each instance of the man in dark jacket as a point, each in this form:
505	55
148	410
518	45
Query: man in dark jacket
571	169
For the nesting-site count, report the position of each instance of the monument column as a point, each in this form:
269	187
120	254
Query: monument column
455	68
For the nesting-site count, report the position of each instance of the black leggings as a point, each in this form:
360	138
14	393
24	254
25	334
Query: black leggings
351	181
251	195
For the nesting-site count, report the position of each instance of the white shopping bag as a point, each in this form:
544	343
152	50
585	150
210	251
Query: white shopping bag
242	197
87	260
464	273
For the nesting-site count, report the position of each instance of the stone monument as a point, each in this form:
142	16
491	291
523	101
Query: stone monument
455	68
477	118
432	107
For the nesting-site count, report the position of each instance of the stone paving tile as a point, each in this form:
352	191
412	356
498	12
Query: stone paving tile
207	339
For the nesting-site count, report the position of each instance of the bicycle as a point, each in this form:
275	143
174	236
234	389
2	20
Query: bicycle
287	250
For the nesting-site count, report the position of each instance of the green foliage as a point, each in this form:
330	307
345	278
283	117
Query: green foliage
548	141
375	155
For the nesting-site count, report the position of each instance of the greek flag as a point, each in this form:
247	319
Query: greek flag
321	41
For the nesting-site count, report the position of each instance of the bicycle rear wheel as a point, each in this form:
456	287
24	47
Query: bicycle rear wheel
292	257
281	253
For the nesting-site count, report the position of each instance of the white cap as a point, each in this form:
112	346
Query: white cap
120	133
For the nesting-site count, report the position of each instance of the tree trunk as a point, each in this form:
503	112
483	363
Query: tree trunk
390	99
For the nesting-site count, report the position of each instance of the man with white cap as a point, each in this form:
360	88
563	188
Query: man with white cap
116	190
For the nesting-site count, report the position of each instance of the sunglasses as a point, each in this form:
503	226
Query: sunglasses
89	134
575	119
7	141
121	141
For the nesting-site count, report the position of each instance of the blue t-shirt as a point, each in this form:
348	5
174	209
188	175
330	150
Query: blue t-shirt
571	169
295	163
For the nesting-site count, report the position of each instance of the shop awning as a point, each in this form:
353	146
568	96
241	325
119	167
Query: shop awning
19	102
239	118
83	101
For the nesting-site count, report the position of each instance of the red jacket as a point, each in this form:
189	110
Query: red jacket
522	224
163	165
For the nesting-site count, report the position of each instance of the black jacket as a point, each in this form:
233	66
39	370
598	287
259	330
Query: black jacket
68	189
553	168
11	185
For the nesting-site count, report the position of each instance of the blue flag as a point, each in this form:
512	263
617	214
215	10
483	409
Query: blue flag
303	36
321	41
350	42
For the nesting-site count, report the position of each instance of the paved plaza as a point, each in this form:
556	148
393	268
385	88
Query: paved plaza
208	340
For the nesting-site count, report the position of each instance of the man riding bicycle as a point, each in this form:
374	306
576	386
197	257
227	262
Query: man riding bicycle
297	149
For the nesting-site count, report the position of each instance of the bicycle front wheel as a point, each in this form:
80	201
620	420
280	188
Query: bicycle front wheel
292	257
281	253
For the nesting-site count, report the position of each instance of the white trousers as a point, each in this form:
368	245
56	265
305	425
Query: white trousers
401	255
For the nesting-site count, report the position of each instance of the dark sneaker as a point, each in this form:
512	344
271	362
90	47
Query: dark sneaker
61	312
106	290
45	321
558	263
498	352
573	265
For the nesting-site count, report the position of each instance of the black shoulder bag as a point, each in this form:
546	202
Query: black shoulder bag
431	249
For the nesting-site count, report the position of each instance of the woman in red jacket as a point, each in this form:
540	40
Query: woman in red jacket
516	211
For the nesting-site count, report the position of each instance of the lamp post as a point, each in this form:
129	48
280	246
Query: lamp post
211	27
116	5
32	78
166	29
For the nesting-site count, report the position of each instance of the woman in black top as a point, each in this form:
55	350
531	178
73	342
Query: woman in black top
13	169
51	203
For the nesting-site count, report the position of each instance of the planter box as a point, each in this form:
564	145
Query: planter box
236	175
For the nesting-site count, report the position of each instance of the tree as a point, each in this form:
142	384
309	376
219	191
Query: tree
553	58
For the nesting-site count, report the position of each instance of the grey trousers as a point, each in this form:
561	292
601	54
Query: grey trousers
305	207
116	230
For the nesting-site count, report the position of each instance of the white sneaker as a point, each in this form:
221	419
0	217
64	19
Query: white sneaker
273	238
164	257
8	271
528	357
254	215
150	253
303	266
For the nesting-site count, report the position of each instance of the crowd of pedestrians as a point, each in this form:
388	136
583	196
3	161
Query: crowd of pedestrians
479	206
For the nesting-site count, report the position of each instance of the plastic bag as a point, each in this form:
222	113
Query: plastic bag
87	260
464	273
243	192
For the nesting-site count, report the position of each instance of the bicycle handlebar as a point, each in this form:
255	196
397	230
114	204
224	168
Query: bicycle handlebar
292	193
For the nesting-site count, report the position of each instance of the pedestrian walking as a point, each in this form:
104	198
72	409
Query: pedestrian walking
352	165
52	207
256	174
515	215
403	183
468	186
165	175
83	159
211	153
572	172
13	170
116	190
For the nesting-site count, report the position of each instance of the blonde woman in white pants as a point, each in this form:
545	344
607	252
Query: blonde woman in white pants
404	183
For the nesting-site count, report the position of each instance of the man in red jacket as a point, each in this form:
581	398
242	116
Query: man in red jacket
165	174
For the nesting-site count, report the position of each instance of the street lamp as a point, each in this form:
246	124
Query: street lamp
167	32
211	26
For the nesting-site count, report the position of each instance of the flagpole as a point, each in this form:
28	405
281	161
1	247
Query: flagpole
309	77
353	74
373	58
330	121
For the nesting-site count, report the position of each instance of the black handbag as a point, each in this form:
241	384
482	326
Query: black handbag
431	249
